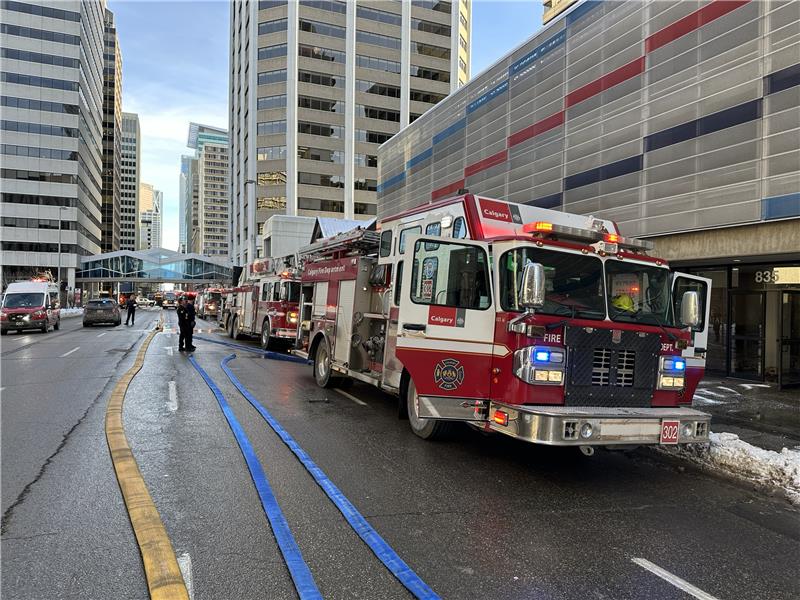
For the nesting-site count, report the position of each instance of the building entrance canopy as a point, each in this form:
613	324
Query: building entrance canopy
158	265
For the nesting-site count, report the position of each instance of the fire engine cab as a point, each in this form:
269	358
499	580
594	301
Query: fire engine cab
266	304
546	326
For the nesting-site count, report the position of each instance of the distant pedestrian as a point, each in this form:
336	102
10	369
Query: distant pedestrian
131	306
191	315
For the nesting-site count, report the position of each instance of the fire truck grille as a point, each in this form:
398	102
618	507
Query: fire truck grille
610	368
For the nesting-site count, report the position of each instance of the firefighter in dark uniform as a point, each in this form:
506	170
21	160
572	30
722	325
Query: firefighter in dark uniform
186	316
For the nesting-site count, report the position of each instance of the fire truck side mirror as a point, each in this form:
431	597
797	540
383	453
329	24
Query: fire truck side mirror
531	294
690	309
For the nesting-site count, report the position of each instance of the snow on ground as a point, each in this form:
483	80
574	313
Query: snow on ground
71	312
726	452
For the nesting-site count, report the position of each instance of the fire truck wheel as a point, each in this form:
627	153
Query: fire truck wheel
427	429
322	365
235	333
267	342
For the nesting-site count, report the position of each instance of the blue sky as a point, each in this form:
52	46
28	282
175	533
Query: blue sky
175	70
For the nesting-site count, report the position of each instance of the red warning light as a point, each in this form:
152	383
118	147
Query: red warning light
612	238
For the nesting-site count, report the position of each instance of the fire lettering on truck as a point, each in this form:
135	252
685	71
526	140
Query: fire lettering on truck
448	374
553	338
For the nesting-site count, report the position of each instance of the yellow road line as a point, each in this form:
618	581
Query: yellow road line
164	579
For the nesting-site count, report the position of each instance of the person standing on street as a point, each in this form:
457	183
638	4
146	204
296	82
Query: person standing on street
181	312
131	306
190	322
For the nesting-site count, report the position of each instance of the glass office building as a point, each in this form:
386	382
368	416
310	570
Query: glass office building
678	120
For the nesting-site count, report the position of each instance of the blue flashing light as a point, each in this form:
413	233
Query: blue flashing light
542	355
679	365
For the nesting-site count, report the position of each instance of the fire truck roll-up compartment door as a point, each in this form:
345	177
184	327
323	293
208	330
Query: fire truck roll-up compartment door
446	326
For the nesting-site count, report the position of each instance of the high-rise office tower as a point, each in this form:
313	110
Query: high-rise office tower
316	86
52	129
131	178
184	206
112	137
205	191
150	207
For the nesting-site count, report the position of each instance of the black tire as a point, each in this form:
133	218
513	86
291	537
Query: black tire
4	332
267	341
118	323
427	429
322	365
45	328
235	334
85	324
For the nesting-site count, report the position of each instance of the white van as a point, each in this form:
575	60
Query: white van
30	305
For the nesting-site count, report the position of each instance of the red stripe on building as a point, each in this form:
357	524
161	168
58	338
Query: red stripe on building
448	189
482	165
609	80
689	23
533	130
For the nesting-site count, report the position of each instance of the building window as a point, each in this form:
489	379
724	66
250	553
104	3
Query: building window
335	206
39	129
321	154
332	131
323	28
45	82
39	176
42	11
45	59
268	102
271	203
378	15
27	104
372	112
319	53
334	106
40	34
429	97
271	127
363	208
364	184
267	77
268	52
372	137
381	89
365	160
432	74
379	64
462	64
329	5
430	50
36	152
335	181
463	19
430	27
437	5
267	4
272	26
321	79
377	39
462	42
271	153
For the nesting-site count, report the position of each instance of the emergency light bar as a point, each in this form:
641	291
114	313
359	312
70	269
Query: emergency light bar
586	235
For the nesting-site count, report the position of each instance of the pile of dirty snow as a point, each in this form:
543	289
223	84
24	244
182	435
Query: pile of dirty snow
726	452
71	312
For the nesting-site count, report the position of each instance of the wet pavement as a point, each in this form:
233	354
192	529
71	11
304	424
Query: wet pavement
473	516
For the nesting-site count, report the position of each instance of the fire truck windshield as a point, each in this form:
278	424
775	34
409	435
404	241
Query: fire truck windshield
638	293
573	282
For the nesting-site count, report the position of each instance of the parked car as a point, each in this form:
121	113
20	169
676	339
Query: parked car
101	310
142	301
30	305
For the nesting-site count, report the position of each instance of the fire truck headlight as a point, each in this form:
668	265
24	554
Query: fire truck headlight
292	316
539	365
586	430
688	429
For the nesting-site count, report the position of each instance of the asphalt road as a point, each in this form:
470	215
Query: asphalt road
473	516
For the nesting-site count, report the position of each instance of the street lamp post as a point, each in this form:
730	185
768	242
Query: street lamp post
251	250
60	208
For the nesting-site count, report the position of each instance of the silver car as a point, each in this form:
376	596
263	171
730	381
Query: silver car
101	310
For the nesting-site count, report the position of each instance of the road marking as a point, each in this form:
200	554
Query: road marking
727	389
673	579
170	350
102	334
172	404
353	398
713	393
704	400
75	349
164	577
185	564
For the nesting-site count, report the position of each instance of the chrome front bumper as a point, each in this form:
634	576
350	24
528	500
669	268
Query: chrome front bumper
561	425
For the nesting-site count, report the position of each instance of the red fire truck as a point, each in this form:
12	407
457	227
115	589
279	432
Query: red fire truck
545	326
266	304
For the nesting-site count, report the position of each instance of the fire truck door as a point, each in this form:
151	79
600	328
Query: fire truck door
446	323
681	283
